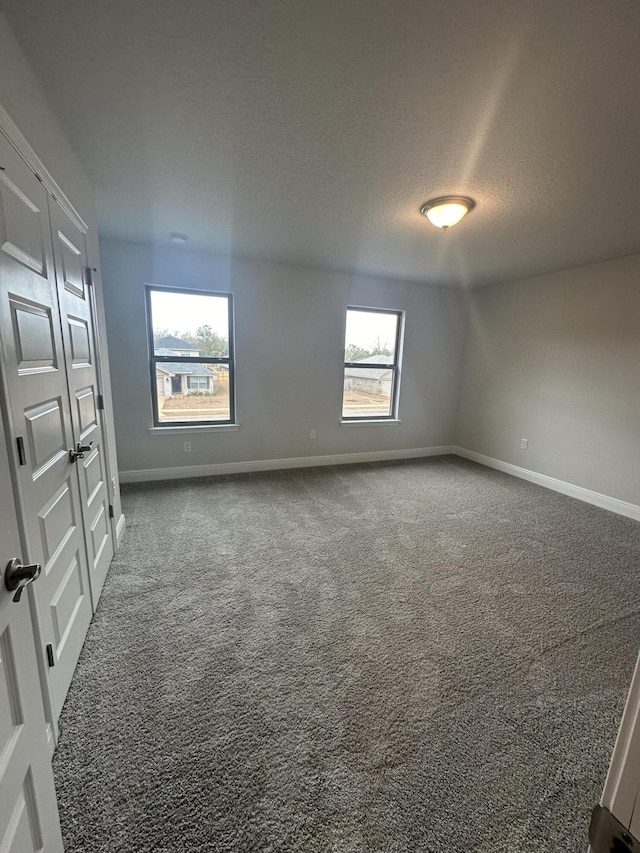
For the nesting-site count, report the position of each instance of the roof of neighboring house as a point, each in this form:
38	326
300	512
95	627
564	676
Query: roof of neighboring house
175	367
172	343
370	373
164	351
374	359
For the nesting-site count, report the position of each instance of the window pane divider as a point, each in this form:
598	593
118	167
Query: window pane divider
370	365
191	359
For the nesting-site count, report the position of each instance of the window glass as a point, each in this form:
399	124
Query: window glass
199	323
371	333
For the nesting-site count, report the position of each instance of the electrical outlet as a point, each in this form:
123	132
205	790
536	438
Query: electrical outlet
314	433
524	443
187	447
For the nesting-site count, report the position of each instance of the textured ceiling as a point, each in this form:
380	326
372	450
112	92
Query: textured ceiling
313	130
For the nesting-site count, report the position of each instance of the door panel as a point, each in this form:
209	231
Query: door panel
66	602
57	524
87	415
33	335
40	413
71	259
79	342
79	337
21	228
45	435
28	810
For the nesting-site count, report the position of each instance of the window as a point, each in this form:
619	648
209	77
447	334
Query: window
191	356
198	383
371	364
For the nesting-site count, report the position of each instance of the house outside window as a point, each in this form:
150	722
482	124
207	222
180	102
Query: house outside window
190	336
372	362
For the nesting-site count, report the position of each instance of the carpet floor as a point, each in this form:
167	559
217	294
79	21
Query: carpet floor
408	657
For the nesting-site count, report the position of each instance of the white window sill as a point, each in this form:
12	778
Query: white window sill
372	422
184	429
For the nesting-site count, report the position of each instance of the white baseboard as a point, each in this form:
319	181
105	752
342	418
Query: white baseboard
587	495
146	474
120	528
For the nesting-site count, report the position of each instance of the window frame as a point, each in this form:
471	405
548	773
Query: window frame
180	359
395	368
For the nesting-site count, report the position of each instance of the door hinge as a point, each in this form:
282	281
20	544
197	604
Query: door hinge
100	402
50	658
110	510
89	271
22	456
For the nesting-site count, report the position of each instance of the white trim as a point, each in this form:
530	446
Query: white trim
183	429
120	527
51	738
620	792
11	130
145	474
371	422
587	495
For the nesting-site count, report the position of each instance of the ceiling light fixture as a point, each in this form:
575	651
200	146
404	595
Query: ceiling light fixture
445	211
179	239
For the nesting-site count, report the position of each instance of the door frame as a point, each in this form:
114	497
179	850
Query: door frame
621	790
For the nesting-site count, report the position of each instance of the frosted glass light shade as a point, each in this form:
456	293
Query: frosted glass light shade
446	211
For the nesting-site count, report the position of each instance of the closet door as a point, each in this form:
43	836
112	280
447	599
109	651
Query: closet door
28	810
76	309
39	416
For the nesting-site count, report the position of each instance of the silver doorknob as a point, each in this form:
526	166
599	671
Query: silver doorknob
17	576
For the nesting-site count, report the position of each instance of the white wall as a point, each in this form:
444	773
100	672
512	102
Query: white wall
23	98
290	324
556	359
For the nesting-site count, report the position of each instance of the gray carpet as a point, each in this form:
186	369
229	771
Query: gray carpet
420	656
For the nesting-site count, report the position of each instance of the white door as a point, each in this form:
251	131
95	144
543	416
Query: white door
28	810
76	304
40	427
615	824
